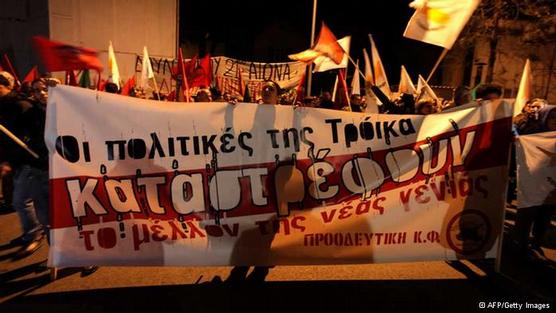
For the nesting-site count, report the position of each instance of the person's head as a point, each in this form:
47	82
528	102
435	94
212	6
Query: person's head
6	83
462	95
203	95
226	96
424	107
270	92
25	89
547	116
489	92
326	96
39	90
111	88
534	106
356	100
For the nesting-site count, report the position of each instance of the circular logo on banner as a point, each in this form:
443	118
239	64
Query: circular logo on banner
468	231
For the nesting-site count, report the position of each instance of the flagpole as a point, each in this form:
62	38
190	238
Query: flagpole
310	74
156	89
356	66
18	141
344	85
444	52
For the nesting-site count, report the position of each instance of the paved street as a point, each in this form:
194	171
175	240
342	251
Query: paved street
422	286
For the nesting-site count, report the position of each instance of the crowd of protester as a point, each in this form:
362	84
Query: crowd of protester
24	178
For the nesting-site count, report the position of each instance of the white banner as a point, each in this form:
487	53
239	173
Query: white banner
138	182
536	169
226	73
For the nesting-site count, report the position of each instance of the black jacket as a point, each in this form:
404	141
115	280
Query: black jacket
26	120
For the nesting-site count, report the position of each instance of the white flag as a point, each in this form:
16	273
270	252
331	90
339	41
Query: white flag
355	82
424	90
370	98
113	66
146	70
379	73
525	88
439	22
324	63
406	85
536	169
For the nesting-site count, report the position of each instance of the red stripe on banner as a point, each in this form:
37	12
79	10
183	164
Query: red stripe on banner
489	149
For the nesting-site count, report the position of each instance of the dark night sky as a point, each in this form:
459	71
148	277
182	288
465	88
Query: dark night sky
268	31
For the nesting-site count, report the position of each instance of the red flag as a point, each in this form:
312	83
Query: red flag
32	75
102	84
7	66
327	45
128	86
71	80
202	74
58	56
343	95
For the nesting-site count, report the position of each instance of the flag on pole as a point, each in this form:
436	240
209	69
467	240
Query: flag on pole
326	45
524	93
32	75
439	22
58	56
379	73
114	72
182	86
324	63
129	84
199	72
8	67
370	98
424	90
146	70
406	85
71	80
355	82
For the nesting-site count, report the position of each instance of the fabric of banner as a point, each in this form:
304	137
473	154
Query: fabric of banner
536	169
245	184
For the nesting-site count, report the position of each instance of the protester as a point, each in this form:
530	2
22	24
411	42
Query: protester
270	92
326	101
203	95
425	107
527	122
405	104
355	102
26	119
111	88
462	95
536	218
488	92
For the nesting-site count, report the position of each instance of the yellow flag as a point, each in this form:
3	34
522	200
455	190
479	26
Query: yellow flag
113	70
525	88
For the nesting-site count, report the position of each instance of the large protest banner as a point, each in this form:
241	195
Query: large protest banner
536	169
232	75
139	182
